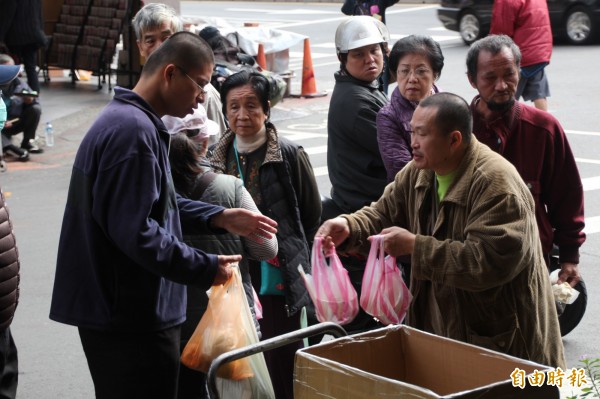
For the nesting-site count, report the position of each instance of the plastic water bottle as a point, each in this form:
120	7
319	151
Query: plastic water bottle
49	134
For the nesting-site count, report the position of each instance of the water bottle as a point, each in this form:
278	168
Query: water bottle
49	134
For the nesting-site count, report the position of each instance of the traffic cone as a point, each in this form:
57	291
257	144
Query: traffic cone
261	59
309	85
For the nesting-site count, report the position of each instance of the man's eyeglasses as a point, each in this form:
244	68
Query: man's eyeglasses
202	91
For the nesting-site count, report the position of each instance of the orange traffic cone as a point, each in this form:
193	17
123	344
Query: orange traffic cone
261	59
309	85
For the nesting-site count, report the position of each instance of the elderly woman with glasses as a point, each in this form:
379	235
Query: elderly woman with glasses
416	62
279	176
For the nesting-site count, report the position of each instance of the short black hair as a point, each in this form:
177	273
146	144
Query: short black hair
417	44
184	158
453	113
260	84
184	49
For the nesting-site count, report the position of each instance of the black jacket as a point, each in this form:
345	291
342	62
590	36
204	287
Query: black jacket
9	268
288	189
21	23
363	7
356	170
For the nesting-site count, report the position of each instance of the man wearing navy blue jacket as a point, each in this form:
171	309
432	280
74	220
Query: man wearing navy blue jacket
121	259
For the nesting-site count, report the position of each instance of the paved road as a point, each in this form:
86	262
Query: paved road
52	363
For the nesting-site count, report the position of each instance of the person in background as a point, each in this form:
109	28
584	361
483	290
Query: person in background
198	119
121	263
467	219
22	30
514	130
528	24
153	24
193	179
356	170
24	112
224	49
375	9
279	176
9	276
416	61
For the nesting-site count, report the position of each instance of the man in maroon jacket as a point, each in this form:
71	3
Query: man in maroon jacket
534	142
527	22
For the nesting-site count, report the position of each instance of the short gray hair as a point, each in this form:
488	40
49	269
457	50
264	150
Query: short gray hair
152	15
493	44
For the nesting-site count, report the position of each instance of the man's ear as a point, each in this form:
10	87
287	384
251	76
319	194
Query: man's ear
455	139
168	72
471	81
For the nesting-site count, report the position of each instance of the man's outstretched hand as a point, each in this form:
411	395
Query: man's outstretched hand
245	223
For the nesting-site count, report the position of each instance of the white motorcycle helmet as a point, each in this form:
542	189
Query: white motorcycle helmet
359	31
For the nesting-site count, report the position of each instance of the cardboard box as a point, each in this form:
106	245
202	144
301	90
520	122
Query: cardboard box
402	362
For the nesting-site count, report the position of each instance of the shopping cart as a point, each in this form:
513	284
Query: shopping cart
272	343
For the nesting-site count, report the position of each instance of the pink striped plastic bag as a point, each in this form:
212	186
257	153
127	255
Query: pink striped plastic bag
384	294
329	287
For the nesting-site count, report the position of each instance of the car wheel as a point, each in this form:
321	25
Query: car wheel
579	27
469	28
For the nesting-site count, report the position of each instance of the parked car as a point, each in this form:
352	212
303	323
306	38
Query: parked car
577	21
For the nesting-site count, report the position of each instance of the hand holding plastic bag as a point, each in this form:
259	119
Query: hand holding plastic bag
329	287
563	293
226	325
220	330
384	294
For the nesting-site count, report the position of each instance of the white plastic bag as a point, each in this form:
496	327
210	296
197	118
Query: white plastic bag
563	293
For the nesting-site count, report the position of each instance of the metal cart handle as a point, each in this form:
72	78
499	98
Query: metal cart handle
272	343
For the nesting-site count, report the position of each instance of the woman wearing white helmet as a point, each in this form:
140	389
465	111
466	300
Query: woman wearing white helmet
356	170
355	167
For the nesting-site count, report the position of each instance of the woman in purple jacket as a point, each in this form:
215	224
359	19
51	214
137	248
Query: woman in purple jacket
417	62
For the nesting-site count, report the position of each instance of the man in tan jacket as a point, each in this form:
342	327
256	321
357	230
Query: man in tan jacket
467	219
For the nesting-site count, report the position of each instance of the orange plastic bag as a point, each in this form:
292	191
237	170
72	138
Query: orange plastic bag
221	329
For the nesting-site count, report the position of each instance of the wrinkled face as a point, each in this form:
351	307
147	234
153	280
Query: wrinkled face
497	79
244	111
186	89
415	77
365	63
431	149
152	39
